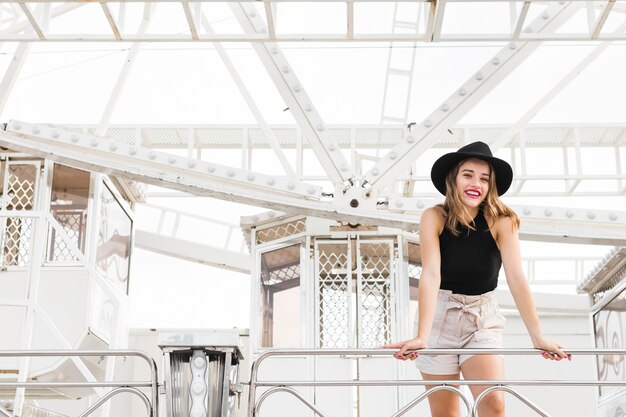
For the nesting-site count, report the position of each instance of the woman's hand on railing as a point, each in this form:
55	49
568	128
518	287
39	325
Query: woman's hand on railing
406	345
551	350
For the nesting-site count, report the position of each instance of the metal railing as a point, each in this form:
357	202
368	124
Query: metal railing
170	222
120	386
288	386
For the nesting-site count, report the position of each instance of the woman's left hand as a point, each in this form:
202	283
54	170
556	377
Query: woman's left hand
551	350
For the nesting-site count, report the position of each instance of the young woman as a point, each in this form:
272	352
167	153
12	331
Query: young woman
464	242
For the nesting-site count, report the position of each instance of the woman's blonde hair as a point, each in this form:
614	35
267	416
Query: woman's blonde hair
457	214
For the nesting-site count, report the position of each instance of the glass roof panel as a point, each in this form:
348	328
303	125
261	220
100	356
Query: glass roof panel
614	23
86	19
129	16
477	17
378	17
221	18
169	18
309	17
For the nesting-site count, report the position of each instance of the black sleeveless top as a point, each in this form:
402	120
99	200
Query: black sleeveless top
470	262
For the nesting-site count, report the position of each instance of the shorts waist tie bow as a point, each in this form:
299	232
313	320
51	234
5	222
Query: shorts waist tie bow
474	308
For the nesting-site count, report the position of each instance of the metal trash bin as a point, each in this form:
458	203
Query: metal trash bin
201	373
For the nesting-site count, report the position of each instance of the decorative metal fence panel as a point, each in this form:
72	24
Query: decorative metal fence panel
73	223
334	270
21	180
374	277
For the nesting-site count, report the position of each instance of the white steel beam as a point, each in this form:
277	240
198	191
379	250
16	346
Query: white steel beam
59	141
314	37
599	24
123	75
293	1
292	91
435	20
350	19
12	72
552	224
256	112
618	163
463	100
201	178
193	251
33	21
229	136
554	91
190	176
520	20
111	20
190	20
269	17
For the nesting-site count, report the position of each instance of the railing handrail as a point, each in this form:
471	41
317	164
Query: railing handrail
153	384
23	213
195	216
254	383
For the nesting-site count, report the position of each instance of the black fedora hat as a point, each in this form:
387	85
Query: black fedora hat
477	150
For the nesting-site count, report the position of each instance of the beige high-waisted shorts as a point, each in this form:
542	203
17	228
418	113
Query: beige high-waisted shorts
461	321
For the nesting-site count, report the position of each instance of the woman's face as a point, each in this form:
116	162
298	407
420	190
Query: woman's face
472	182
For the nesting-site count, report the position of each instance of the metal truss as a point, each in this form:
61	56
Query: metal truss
232	254
280	193
294	94
431	30
464	98
569	144
184	174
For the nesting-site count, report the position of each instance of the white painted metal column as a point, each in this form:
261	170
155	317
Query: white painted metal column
37	244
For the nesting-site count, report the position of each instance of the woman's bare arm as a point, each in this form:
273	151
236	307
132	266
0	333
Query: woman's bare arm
431	224
508	242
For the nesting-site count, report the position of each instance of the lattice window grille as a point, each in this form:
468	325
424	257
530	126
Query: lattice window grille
21	186
280	231
414	270
283	274
73	223
334	292
375	294
16	241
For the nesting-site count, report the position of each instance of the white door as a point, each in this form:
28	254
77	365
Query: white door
354	309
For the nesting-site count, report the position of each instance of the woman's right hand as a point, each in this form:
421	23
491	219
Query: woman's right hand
412	344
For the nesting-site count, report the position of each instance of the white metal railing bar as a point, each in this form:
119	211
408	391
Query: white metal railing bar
431	391
179	214
292	392
125	386
519	396
401	412
504	385
117	391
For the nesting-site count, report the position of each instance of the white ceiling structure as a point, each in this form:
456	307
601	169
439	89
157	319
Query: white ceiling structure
334	109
